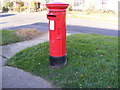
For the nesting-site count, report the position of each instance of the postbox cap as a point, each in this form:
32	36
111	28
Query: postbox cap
57	5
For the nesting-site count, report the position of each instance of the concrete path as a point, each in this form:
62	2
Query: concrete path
16	78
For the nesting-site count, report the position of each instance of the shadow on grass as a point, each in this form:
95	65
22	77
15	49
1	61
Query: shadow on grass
70	29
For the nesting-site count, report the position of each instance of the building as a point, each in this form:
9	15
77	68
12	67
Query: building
95	4
90	4
75	4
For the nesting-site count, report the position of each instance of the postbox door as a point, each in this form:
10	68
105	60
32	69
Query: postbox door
57	31
53	29
54	38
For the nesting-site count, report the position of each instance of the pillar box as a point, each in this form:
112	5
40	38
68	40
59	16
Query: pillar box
57	36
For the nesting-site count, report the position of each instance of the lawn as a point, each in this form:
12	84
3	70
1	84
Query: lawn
92	62
8	37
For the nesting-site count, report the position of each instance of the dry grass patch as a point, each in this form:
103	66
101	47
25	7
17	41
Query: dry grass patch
28	33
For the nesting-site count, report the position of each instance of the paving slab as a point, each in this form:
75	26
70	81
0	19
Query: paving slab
2	61
0	77
0	72
17	78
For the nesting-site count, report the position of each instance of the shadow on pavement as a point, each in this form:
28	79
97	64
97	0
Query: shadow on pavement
70	29
6	15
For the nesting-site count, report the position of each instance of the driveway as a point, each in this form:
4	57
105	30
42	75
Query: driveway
74	25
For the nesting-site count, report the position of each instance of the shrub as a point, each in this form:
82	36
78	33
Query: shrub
5	9
23	8
8	6
70	8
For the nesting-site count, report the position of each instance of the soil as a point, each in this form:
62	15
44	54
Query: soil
28	33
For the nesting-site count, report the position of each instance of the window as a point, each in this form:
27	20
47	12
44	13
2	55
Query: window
52	0
47	1
78	2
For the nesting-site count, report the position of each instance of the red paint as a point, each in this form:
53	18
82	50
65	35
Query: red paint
57	13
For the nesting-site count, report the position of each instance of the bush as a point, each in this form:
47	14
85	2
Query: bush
5	9
34	7
20	3
18	8
23	8
8	6
70	8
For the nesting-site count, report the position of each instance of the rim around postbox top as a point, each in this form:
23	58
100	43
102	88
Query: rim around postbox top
57	5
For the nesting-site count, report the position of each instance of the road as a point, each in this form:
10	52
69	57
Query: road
74	25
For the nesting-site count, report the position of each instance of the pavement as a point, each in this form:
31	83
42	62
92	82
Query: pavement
16	78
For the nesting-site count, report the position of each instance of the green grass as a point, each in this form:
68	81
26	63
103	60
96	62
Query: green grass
8	37
92	62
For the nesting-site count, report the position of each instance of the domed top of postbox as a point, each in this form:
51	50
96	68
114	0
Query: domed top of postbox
57	5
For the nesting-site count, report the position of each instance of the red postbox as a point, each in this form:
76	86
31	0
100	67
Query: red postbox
57	29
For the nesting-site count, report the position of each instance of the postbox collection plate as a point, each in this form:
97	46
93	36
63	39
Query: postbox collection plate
52	24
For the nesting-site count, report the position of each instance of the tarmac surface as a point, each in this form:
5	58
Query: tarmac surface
74	25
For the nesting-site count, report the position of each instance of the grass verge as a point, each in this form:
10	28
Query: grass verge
92	62
13	36
8	37
95	16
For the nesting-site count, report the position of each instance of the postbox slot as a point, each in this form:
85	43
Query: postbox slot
51	15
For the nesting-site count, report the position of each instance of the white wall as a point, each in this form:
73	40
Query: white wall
112	5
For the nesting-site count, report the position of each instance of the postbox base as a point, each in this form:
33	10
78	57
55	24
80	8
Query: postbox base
58	62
